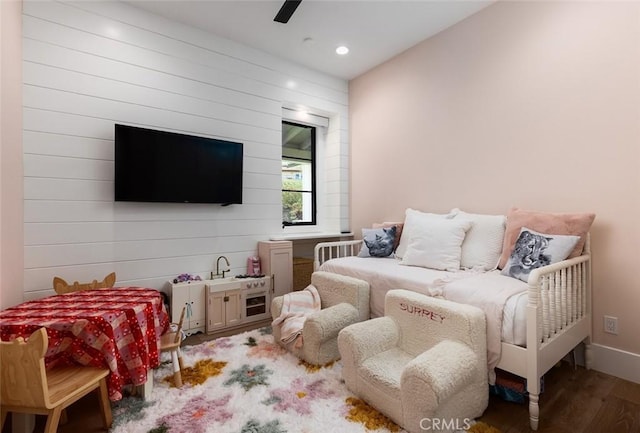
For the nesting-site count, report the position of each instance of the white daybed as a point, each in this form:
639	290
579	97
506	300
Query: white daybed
541	322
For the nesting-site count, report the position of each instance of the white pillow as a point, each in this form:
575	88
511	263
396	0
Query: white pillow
482	245
534	250
436	244
412	220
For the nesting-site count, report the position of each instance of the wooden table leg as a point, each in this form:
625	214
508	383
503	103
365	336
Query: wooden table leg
147	388
22	422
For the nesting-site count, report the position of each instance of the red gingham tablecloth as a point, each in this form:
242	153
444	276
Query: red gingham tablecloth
117	328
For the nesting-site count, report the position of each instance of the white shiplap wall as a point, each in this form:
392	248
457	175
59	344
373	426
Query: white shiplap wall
88	65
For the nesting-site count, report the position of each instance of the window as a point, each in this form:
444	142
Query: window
298	174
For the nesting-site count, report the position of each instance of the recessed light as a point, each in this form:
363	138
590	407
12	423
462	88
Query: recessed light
342	50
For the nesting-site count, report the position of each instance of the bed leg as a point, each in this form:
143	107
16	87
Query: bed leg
534	411
533	388
588	353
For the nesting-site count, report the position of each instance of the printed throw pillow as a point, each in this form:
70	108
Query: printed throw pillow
576	224
386	225
534	250
378	242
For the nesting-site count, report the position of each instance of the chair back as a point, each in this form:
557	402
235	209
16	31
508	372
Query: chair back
335	289
424	321
61	286
24	378
178	335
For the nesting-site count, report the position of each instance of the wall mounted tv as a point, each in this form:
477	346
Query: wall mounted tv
160	166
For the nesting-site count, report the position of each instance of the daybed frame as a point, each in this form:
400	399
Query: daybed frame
558	316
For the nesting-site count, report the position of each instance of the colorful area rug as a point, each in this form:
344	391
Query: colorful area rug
248	384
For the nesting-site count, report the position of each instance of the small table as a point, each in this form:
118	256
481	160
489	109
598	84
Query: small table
117	328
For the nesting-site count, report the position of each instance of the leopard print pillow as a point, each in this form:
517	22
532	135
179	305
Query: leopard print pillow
534	250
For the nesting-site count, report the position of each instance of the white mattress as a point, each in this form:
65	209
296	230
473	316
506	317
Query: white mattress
384	274
514	322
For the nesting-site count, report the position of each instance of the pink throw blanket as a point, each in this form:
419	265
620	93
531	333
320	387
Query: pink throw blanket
296	307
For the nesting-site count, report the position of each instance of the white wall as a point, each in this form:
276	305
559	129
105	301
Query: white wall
88	65
11	243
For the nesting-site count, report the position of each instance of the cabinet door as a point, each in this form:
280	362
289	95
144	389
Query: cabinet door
198	306
216	315
233	310
179	299
282	270
277	259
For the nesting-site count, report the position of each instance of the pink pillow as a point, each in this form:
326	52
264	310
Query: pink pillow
576	224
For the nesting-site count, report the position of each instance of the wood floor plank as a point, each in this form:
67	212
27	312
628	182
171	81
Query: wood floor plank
574	397
571	403
627	390
616	415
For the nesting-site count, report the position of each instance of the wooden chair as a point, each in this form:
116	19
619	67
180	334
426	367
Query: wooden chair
61	286
28	388
170	342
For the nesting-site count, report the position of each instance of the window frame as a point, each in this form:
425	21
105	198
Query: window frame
313	191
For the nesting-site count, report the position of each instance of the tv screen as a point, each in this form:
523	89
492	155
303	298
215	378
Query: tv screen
160	166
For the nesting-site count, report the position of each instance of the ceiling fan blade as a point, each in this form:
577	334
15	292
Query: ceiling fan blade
287	9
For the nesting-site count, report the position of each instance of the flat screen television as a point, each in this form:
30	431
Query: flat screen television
160	166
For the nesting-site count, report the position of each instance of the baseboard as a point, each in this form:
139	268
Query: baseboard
238	329
616	362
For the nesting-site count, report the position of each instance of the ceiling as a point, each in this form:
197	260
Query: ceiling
374	30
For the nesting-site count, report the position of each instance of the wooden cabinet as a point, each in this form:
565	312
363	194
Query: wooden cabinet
225	309
192	296
213	305
276	259
233	302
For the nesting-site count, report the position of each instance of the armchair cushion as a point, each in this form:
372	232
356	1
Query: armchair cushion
327	323
363	340
384	370
446	367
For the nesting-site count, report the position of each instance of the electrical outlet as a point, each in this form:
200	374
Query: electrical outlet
611	325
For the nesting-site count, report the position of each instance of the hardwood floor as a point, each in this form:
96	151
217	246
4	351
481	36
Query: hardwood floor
574	401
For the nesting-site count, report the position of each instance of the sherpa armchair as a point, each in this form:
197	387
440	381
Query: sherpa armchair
423	363
344	301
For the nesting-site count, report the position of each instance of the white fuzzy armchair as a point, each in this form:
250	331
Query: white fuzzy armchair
424	364
344	301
